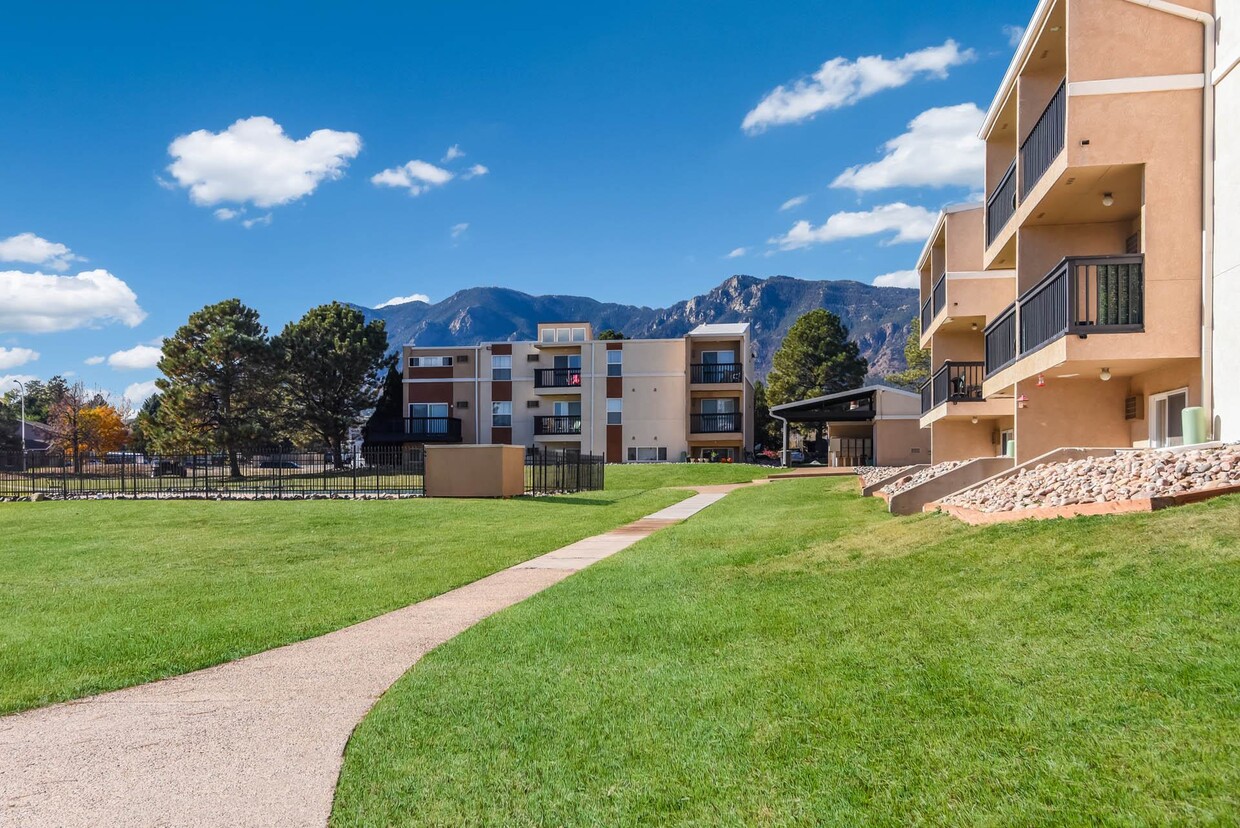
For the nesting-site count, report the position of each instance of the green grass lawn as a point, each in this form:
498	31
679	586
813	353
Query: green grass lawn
795	656
100	595
652	475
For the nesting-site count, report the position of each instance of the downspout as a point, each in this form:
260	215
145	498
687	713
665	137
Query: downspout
593	370
477	397
1207	192
783	454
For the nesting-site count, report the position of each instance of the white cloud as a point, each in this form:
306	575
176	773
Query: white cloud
227	213
6	382
738	252
137	393
1014	35
16	357
902	222
136	358
793	203
940	149
404	300
458	230
32	249
900	279
256	221
43	303
840	82
474	171
96	360
254	161
416	176
454	152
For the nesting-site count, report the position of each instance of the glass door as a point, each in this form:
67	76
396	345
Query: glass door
429	418
1167	424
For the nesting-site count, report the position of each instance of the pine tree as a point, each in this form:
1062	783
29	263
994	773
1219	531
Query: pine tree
916	358
816	358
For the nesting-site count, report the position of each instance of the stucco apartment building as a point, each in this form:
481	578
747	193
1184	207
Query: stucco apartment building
1074	307
632	400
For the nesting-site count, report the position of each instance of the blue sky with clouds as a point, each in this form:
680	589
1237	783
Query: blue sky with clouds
161	158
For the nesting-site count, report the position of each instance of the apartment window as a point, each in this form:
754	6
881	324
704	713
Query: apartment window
424	411
501	367
430	362
647	454
615	409
561	408
501	414
572	361
579	334
1167	422
615	363
548	334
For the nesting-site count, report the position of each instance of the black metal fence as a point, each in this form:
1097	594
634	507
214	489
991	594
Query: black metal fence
380	471
560	472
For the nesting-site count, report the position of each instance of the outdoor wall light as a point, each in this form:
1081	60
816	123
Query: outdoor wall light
1107	199
1041	380
1105	375
1022	401
974	326
975	421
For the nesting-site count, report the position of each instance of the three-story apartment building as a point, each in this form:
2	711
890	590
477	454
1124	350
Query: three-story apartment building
632	400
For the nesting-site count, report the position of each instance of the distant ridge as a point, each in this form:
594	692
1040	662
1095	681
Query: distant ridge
878	317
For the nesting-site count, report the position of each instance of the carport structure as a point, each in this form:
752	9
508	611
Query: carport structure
870	426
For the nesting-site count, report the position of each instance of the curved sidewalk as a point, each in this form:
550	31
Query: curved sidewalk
258	741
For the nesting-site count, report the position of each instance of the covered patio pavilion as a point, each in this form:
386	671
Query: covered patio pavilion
870	426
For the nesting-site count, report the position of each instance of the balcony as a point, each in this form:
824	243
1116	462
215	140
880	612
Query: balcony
557	378
1001	341
727	423
1084	295
1001	205
716	373
954	382
414	430
557	426
1045	141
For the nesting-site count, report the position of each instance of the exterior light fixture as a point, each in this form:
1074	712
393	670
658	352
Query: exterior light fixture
1105	375
1022	401
1107	199
974	326
1041	380
975	421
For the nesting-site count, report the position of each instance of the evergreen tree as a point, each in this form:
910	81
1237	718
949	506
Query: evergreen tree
916	357
609	334
332	362
816	358
219	380
766	429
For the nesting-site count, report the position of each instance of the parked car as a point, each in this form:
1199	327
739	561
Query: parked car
131	458
278	464
167	468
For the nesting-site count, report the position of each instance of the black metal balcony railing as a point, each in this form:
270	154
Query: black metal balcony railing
957	382
1001	341
1084	295
715	423
939	294
927	315
557	378
1045	141
557	425
715	373
1001	205
414	430
927	396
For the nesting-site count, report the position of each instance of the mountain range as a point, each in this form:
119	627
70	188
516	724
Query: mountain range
877	317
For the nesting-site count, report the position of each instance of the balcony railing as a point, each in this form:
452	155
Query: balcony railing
1084	295
715	423
927	396
557	378
939	294
414	430
927	315
557	425
957	382
1001	205
1001	341
1045	141
716	373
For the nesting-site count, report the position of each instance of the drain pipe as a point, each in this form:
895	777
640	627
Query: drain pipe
1208	25
783	454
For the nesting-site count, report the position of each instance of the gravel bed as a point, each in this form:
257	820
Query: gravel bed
917	478
872	474
1129	475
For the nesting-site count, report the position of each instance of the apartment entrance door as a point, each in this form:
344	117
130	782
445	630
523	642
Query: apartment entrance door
1166	422
429	418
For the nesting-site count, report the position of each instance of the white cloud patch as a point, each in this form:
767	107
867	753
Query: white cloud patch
6	382
31	249
139	392
841	82
900	222
940	149
458	230
416	176
474	171
254	161
96	360
136	358
227	213
899	278
793	203
404	300
454	152
257	221
43	303
737	253
16	357
1013	35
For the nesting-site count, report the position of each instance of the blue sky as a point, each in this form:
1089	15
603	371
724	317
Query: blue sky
158	159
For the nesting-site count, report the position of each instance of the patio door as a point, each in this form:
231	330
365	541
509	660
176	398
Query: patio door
718	366
429	418
1166	420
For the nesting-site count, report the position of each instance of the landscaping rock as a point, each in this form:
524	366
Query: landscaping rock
872	474
917	478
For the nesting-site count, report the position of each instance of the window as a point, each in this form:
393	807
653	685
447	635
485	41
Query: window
727	405
718	357
430	362
647	454
615	408
1007	443
501	367
568	361
428	410
563	335
501	414
566	409
1167	423
615	363
548	334
579	334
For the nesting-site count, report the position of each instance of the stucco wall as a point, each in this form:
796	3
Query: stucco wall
900	443
1083	411
1227	232
962	440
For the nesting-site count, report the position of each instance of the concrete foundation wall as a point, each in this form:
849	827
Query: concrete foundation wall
914	500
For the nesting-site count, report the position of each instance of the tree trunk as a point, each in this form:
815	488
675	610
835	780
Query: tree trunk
234	469
337	454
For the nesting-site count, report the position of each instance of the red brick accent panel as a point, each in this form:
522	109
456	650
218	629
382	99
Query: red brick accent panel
615	444
615	346
501	434
615	388
501	349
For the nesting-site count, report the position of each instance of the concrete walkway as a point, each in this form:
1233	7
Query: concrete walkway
258	741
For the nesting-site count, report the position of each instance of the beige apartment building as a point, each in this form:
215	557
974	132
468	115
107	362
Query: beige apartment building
632	400
1092	331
